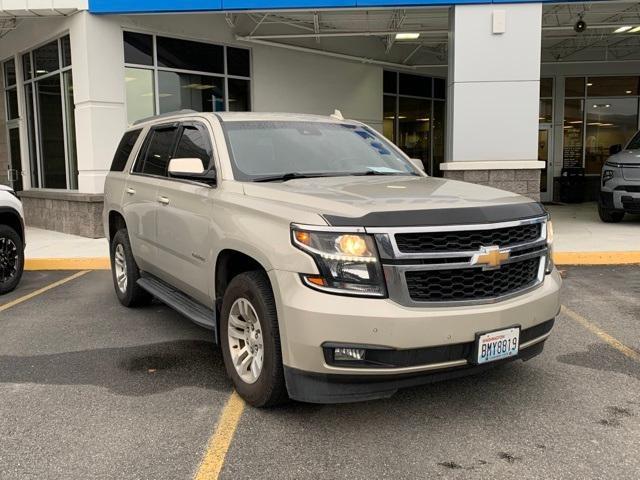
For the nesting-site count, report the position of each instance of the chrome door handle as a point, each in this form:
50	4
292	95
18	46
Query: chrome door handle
163	200
131	191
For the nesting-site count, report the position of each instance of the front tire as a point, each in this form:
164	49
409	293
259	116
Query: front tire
125	272
609	215
250	340
11	259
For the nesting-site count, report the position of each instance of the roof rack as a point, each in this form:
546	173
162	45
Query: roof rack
168	114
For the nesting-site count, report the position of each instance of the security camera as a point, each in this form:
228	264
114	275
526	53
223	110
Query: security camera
580	26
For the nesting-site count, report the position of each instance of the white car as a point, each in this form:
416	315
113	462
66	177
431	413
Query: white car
11	240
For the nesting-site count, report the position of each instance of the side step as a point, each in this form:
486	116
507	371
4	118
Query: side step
181	303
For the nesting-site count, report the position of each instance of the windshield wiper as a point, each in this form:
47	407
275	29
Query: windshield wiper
376	172
289	176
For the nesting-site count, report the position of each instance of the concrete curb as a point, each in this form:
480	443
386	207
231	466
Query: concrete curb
596	258
96	263
560	258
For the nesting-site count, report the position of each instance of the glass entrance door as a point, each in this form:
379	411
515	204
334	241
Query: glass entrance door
15	159
545	149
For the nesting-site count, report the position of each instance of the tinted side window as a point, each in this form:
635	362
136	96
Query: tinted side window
194	143
158	152
124	150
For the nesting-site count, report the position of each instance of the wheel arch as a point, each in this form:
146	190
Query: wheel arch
230	263
12	218
116	222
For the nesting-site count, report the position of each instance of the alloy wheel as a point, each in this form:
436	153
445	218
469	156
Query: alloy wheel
246	343
120	263
8	259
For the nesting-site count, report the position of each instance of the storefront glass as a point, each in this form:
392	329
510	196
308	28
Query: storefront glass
610	121
603	113
190	75
413	116
50	115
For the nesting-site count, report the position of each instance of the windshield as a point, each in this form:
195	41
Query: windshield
634	144
263	149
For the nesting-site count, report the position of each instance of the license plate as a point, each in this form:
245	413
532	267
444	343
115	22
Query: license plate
497	345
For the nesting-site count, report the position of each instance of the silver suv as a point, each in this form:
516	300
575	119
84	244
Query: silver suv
329	267
620	187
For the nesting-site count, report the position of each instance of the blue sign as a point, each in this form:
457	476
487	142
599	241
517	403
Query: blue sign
166	6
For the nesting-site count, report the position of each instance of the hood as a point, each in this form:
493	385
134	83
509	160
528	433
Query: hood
5	188
626	157
359	196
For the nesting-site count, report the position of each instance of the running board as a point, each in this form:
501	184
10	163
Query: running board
181	303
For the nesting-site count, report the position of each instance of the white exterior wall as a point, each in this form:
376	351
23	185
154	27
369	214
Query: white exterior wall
493	86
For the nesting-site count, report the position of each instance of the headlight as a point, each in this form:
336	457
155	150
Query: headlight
348	262
549	247
606	176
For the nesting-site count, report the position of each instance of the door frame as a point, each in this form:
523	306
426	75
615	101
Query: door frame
14	175
548	195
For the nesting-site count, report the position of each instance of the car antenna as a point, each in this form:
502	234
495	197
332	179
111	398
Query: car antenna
337	114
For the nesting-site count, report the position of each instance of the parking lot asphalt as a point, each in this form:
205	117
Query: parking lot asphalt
90	389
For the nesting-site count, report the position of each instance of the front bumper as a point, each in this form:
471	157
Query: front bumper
328	388
308	319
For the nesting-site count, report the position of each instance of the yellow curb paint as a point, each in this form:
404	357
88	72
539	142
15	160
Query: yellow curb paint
96	263
35	293
220	441
593	328
596	258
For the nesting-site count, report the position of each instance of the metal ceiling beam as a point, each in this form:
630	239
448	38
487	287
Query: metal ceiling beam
343	34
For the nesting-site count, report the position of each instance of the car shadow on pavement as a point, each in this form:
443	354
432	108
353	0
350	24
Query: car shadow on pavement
603	357
131	371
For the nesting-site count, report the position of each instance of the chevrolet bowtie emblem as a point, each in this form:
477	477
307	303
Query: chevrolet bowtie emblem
490	257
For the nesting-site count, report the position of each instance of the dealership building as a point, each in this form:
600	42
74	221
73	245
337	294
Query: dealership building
512	94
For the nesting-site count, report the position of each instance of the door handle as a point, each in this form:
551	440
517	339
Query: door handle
163	200
131	191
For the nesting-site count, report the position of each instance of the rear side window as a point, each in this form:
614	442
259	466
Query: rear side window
194	143
160	143
124	150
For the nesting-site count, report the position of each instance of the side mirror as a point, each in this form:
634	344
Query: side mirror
191	169
613	149
418	163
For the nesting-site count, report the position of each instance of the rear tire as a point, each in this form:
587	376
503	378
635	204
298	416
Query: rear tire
609	215
11	259
125	272
249	312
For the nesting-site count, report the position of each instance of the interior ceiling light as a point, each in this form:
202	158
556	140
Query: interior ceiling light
635	30
626	28
407	36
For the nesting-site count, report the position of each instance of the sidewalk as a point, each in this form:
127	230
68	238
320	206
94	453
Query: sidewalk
49	250
580	239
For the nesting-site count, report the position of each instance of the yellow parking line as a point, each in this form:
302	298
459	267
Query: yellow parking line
219	443
614	342
29	296
98	263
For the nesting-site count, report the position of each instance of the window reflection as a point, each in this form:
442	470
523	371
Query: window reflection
140	93
177	91
610	122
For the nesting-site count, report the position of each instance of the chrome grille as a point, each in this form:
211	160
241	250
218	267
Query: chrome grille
462	264
419	242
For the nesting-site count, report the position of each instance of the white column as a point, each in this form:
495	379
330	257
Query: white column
98	84
494	77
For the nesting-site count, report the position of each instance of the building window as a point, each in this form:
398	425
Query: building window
414	116
599	112
164	74
10	89
50	115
